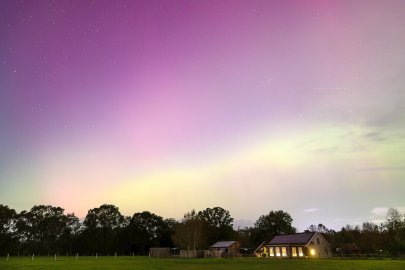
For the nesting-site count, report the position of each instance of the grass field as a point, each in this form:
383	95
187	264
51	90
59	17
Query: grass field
145	263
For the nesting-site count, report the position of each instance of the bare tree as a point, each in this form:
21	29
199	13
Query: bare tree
190	232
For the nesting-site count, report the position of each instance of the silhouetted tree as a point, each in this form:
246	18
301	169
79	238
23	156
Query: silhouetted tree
70	234
394	230
48	224
370	238
218	222
7	216
102	225
146	230
320	228
45	229
275	223
191	232
168	230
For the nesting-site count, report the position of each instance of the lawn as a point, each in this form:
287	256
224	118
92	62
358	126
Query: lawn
144	263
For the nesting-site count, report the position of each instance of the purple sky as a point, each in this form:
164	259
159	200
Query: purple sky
172	105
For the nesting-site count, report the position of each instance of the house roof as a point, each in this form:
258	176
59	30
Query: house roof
298	238
223	244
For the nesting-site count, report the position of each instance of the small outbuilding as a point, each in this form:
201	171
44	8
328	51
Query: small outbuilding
225	249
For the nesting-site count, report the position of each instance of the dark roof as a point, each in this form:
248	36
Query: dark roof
223	244
298	238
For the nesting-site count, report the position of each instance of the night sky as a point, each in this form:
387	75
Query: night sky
172	105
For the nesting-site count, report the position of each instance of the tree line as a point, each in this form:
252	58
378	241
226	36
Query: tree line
46	230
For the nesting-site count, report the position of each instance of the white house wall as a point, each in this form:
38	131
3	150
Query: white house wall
318	247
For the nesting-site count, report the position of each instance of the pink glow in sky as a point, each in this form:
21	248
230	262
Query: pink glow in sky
172	105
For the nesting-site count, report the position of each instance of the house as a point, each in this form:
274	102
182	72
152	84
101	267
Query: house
225	249
299	245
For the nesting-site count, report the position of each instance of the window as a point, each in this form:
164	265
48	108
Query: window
300	253
294	251
271	252
278	254
317	241
284	251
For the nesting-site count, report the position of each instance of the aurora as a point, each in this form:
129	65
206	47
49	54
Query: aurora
172	105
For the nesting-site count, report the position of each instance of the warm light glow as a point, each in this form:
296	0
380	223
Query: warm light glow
312	252
271	251
294	251
284	251
300	253
278	252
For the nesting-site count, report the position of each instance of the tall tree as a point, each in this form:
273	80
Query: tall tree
168	230
320	228
24	232
70	234
395	232
48	223
7	216
369	240
107	216
219	224
102	225
275	223
146	230
393	220
191	232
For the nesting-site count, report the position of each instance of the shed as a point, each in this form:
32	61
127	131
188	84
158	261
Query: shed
225	249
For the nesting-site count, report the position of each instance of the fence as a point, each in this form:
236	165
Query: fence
188	254
159	252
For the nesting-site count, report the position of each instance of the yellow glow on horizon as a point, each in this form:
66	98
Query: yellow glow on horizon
163	185
198	182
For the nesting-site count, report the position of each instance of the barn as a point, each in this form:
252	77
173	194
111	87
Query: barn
225	249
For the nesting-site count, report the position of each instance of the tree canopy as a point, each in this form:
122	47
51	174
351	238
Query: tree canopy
46	229
274	223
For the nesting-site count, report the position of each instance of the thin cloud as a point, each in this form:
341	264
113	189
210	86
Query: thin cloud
374	136
379	211
309	210
388	168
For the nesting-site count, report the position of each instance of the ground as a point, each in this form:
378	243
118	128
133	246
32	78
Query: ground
144	263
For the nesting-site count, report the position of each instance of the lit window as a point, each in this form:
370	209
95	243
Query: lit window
294	251
312	252
278	254
300	253
284	251
271	251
